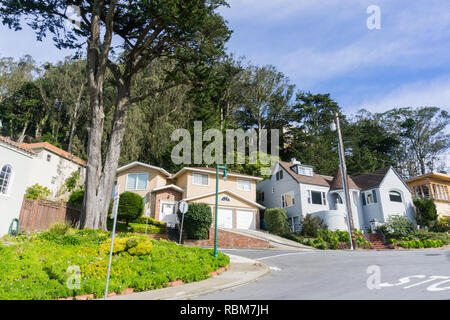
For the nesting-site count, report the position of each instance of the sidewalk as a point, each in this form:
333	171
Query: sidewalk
240	272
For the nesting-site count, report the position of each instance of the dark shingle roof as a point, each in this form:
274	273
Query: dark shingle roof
336	183
371	180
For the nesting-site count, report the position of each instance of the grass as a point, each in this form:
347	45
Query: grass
37	266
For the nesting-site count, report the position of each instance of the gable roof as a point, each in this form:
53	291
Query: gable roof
137	163
55	149
17	145
336	183
226	191
316	179
213	170
372	179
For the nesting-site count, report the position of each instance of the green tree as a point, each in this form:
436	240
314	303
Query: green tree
276	221
131	207
190	32
197	221
426	213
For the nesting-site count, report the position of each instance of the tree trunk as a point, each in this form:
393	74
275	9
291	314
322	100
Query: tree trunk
22	134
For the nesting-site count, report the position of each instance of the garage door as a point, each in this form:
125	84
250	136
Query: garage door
225	218
245	219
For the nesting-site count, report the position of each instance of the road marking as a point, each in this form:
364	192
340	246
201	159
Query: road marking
284	254
274	268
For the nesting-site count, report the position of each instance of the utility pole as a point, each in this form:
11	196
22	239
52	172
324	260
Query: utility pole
348	203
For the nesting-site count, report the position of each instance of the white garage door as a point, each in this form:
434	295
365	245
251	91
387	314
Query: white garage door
225	218
245	219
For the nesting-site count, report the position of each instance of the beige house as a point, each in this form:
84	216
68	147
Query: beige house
162	191
434	186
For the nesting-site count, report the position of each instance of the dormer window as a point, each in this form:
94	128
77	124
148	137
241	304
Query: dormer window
279	175
304	171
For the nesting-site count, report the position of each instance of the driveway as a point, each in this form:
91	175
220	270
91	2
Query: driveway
409	274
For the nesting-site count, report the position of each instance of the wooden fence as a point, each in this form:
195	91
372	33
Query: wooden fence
40	214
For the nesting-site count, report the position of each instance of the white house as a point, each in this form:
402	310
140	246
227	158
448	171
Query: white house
52	166
300	191
15	160
23	165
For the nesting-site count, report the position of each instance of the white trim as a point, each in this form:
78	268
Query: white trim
137	163
213	172
171	186
230	192
10	182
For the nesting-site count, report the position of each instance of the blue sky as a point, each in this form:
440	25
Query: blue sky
325	46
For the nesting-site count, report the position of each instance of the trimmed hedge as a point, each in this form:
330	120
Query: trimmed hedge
144	220
197	221
140	228
417	244
130	207
276	221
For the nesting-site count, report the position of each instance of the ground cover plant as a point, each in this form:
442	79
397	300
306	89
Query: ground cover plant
37	266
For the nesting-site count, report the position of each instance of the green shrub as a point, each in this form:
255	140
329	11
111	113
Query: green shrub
197	221
130	207
426	212
36	191
59	228
427	235
149	220
140	228
76	197
276	221
397	227
311	226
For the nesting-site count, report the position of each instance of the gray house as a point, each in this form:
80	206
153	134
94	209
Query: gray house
300	191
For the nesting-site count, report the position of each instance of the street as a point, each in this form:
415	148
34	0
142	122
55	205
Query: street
300	275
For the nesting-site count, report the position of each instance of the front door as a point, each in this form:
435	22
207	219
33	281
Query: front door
167	212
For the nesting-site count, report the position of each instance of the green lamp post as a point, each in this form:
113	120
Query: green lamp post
224	167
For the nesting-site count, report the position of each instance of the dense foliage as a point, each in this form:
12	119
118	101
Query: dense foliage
426	212
37	191
76	197
131	206
311	226
397	226
36	266
276	221
197	221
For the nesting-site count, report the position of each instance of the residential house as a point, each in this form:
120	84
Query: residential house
23	165
301	191
162	192
434	186
15	160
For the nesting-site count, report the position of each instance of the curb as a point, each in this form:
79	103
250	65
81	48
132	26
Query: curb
175	283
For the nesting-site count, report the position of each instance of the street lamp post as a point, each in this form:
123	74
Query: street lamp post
224	167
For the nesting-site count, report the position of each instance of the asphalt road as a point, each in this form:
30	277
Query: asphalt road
297	275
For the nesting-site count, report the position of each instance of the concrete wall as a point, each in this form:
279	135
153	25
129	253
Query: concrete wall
11	203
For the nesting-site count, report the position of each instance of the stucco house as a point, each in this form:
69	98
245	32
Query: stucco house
15	160
162	191
301	191
434	186
23	165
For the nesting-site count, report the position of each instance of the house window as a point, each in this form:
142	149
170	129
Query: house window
395	196
49	158
279	175
305	171
317	197
5	179
244	185
355	198
225	199
369	197
260	196
200	179
273	189
287	200
137	181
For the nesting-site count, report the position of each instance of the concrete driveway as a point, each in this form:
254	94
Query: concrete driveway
408	274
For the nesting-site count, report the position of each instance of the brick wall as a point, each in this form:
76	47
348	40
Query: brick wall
166	194
228	239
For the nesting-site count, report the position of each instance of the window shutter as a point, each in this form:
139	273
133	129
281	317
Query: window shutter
374	196
363	195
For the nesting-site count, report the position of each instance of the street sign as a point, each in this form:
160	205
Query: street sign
183	207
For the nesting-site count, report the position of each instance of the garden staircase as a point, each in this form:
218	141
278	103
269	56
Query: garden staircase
376	241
